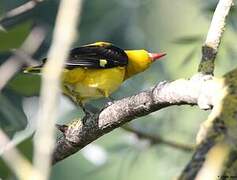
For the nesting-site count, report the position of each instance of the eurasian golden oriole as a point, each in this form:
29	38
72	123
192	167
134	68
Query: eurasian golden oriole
97	70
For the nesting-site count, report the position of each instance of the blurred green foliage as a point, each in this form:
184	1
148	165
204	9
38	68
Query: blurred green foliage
12	117
176	27
17	33
25	84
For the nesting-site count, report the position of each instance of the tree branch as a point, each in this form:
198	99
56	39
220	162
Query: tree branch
217	135
210	48
63	37
15	159
8	151
180	92
22	55
22	9
219	128
156	139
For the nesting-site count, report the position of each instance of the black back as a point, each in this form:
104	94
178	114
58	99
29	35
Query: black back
97	56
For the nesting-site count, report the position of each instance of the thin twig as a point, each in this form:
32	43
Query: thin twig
156	139
22	55
15	160
217	27
28	6
64	35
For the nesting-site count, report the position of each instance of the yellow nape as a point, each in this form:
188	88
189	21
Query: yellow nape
138	61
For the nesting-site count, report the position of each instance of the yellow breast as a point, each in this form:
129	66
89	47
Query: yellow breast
93	83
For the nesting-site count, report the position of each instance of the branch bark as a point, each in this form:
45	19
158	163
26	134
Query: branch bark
180	92
219	128
217	27
217	134
18	11
8	151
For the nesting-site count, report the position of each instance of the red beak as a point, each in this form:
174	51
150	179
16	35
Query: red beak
155	56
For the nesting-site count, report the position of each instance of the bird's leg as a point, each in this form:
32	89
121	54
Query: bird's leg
88	113
75	97
83	107
106	95
70	94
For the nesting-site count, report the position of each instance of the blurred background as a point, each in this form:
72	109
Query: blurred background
178	28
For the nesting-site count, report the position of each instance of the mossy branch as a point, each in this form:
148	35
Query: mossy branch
219	128
217	27
217	136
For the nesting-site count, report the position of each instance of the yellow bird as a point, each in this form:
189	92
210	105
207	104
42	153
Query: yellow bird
97	70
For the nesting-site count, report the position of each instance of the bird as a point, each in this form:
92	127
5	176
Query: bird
97	70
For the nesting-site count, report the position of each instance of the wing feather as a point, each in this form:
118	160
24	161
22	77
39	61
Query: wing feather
99	57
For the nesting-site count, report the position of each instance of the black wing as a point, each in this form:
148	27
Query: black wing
95	56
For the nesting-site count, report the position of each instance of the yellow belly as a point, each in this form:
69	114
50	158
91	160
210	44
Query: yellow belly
88	84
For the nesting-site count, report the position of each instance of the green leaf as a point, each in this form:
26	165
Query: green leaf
25	84
13	38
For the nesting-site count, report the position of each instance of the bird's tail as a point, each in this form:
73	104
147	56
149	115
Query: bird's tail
33	69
